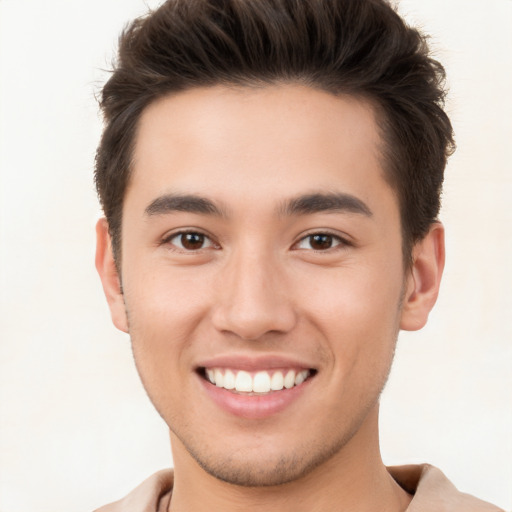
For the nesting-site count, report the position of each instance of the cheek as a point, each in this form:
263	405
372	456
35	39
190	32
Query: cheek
357	312
164	309
166	298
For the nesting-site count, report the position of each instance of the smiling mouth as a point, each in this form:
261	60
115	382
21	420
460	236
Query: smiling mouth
262	382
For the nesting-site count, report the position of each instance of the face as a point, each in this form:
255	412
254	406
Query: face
262	275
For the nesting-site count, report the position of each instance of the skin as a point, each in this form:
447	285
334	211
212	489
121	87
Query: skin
257	286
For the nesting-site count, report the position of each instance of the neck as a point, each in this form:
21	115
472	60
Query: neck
354	479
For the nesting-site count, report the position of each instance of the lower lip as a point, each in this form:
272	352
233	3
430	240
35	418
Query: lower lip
253	406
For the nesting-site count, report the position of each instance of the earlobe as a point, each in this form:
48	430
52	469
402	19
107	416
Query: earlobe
423	279
106	267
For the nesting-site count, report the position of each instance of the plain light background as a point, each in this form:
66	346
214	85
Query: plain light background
76	429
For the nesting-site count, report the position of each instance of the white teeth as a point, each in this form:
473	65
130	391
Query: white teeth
301	377
289	380
260	382
219	379
277	382
243	382
229	380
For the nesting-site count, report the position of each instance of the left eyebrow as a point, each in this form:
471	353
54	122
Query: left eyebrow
169	203
318	203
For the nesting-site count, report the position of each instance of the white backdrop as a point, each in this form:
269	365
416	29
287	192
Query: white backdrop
76	429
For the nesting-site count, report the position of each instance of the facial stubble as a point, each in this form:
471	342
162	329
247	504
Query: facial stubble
288	467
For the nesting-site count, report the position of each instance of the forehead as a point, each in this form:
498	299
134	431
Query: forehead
264	142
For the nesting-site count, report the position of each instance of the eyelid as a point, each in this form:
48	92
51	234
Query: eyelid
166	239
344	241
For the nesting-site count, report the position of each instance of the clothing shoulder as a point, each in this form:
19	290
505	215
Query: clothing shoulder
152	495
433	492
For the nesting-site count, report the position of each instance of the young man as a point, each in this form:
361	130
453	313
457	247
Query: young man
270	173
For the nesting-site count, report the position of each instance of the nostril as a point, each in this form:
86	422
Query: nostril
253	315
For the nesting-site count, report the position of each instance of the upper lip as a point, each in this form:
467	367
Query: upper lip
254	362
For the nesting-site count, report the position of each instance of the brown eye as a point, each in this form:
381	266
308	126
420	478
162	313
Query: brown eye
319	242
190	241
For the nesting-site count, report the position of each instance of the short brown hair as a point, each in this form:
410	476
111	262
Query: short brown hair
358	47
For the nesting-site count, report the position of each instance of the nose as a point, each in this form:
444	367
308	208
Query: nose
253	298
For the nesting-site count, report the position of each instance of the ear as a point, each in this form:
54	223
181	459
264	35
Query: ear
106	267
423	279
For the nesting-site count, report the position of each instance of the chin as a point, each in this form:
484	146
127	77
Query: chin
261	473
265	468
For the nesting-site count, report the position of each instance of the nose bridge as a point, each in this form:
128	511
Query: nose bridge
253	298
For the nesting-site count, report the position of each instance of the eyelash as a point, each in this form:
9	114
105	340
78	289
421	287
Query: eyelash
339	241
168	240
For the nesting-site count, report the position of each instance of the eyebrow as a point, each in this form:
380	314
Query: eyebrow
190	203
318	203
301	205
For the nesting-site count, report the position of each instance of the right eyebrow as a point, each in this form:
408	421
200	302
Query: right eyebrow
320	202
191	203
